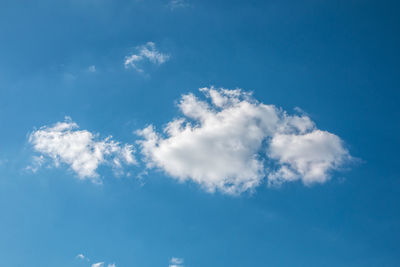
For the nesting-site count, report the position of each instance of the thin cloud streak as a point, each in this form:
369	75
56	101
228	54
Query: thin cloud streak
147	52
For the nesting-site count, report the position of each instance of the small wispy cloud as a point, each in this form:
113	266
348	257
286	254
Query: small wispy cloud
92	68
147	52
80	256
36	164
174	4
176	262
101	264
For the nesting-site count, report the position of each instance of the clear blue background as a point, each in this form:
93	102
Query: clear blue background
336	60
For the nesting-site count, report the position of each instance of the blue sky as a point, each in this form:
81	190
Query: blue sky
110	155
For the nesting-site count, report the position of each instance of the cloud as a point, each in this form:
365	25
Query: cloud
176	262
147	52
308	157
80	256
101	264
37	163
98	264
92	68
82	150
174	4
230	142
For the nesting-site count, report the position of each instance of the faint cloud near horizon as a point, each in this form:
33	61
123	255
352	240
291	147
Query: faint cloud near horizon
176	262
82	257
101	264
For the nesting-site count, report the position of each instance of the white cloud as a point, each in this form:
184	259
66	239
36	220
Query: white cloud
174	4
146	52
231	142
308	157
176	262
101	264
82	150
80	256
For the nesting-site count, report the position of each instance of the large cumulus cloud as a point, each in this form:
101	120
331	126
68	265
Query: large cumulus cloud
229	142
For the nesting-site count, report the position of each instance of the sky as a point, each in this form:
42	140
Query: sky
191	133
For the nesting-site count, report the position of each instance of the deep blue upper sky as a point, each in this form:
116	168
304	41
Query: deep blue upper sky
336	60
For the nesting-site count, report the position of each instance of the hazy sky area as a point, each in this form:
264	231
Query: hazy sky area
186	133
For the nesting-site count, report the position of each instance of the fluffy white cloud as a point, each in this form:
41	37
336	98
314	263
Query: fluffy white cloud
146	52
176	262
308	156
82	150
230	141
